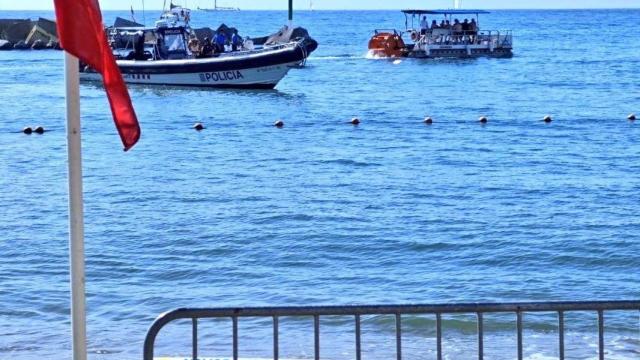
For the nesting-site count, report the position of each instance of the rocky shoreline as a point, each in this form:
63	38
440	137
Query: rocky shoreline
27	34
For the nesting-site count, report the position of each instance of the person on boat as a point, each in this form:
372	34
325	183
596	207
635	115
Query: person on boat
443	25
236	41
434	25
424	25
473	30
194	46
220	41
206	50
466	28
457	30
162	50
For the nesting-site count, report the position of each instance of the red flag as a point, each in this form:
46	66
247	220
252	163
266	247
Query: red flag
81	33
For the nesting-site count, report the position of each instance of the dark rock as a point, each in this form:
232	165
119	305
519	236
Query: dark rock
6	45
21	45
38	45
120	23
53	45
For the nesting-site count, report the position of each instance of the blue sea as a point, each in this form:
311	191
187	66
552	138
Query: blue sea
322	212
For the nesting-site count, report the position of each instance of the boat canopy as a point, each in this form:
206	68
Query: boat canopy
444	12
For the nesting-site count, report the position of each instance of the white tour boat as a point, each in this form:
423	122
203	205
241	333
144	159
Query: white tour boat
443	36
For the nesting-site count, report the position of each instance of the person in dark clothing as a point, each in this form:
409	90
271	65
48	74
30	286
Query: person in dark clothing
207	48
236	41
138	47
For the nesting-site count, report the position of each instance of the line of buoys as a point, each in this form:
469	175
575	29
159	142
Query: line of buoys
483	119
29	130
279	124
198	126
631	117
428	120
355	121
547	119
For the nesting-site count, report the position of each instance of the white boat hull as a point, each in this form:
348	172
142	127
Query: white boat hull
266	77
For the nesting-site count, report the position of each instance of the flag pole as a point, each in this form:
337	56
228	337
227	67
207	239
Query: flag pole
76	217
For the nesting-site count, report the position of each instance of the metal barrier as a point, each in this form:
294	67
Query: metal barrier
398	310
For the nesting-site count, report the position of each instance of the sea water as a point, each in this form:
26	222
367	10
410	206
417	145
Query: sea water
322	212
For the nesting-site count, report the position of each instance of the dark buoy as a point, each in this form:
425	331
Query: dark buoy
547	119
279	124
28	130
483	119
198	126
355	121
39	130
428	120
632	117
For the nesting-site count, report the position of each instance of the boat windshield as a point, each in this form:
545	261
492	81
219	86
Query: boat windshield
175	42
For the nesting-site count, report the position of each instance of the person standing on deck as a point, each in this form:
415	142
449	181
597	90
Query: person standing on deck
236	42
424	25
220	41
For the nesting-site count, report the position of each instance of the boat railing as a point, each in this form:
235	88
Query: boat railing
493	38
385	31
314	314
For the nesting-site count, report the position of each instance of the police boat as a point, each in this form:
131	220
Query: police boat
441	34
169	54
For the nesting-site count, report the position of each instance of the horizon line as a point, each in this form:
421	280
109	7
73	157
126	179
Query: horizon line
376	9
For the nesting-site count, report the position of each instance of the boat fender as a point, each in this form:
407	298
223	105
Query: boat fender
28	130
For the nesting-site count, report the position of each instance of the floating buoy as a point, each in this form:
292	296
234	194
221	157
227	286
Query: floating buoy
279	124
355	121
39	130
632	117
198	126
547	119
428	120
483	119
28	130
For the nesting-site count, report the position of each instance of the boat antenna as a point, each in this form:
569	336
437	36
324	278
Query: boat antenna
290	13
144	18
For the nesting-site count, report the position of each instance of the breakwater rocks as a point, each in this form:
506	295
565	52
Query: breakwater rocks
25	34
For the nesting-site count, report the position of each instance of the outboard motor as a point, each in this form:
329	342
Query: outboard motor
387	44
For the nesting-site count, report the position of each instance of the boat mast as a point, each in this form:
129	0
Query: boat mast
290	13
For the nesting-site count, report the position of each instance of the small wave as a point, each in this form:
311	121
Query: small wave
336	57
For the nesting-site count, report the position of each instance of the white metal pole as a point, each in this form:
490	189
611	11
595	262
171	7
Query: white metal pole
76	216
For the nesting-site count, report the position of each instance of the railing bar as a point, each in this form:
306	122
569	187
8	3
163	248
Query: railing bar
194	338
561	334
276	345
439	335
601	334
358	344
519	326
480	336
316	336
235	337
398	336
